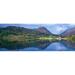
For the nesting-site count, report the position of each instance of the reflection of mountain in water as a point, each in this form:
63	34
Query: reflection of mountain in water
38	46
56	46
62	46
41	45
69	44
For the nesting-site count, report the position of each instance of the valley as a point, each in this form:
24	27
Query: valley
12	37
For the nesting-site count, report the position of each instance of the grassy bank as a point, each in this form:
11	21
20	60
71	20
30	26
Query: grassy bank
25	38
70	38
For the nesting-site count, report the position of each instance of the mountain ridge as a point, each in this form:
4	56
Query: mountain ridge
20	30
43	30
68	32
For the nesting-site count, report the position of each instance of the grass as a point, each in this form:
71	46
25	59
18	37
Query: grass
70	38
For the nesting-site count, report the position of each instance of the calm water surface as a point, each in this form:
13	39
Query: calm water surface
44	46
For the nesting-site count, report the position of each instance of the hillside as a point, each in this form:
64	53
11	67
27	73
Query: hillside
68	32
20	30
21	34
43	30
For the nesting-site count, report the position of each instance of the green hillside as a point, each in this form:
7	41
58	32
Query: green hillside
20	34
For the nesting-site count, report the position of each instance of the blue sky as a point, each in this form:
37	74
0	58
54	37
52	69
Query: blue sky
54	28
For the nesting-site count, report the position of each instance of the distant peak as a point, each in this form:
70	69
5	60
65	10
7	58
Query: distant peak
43	30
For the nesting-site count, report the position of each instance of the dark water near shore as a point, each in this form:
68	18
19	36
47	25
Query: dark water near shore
41	46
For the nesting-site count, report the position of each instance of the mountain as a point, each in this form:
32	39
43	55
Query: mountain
59	28
43	30
15	30
68	32
56	29
21	30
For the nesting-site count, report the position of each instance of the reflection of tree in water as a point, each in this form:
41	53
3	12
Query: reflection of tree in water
15	46
11	46
41	45
69	44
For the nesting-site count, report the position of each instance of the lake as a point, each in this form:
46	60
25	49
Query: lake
41	46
